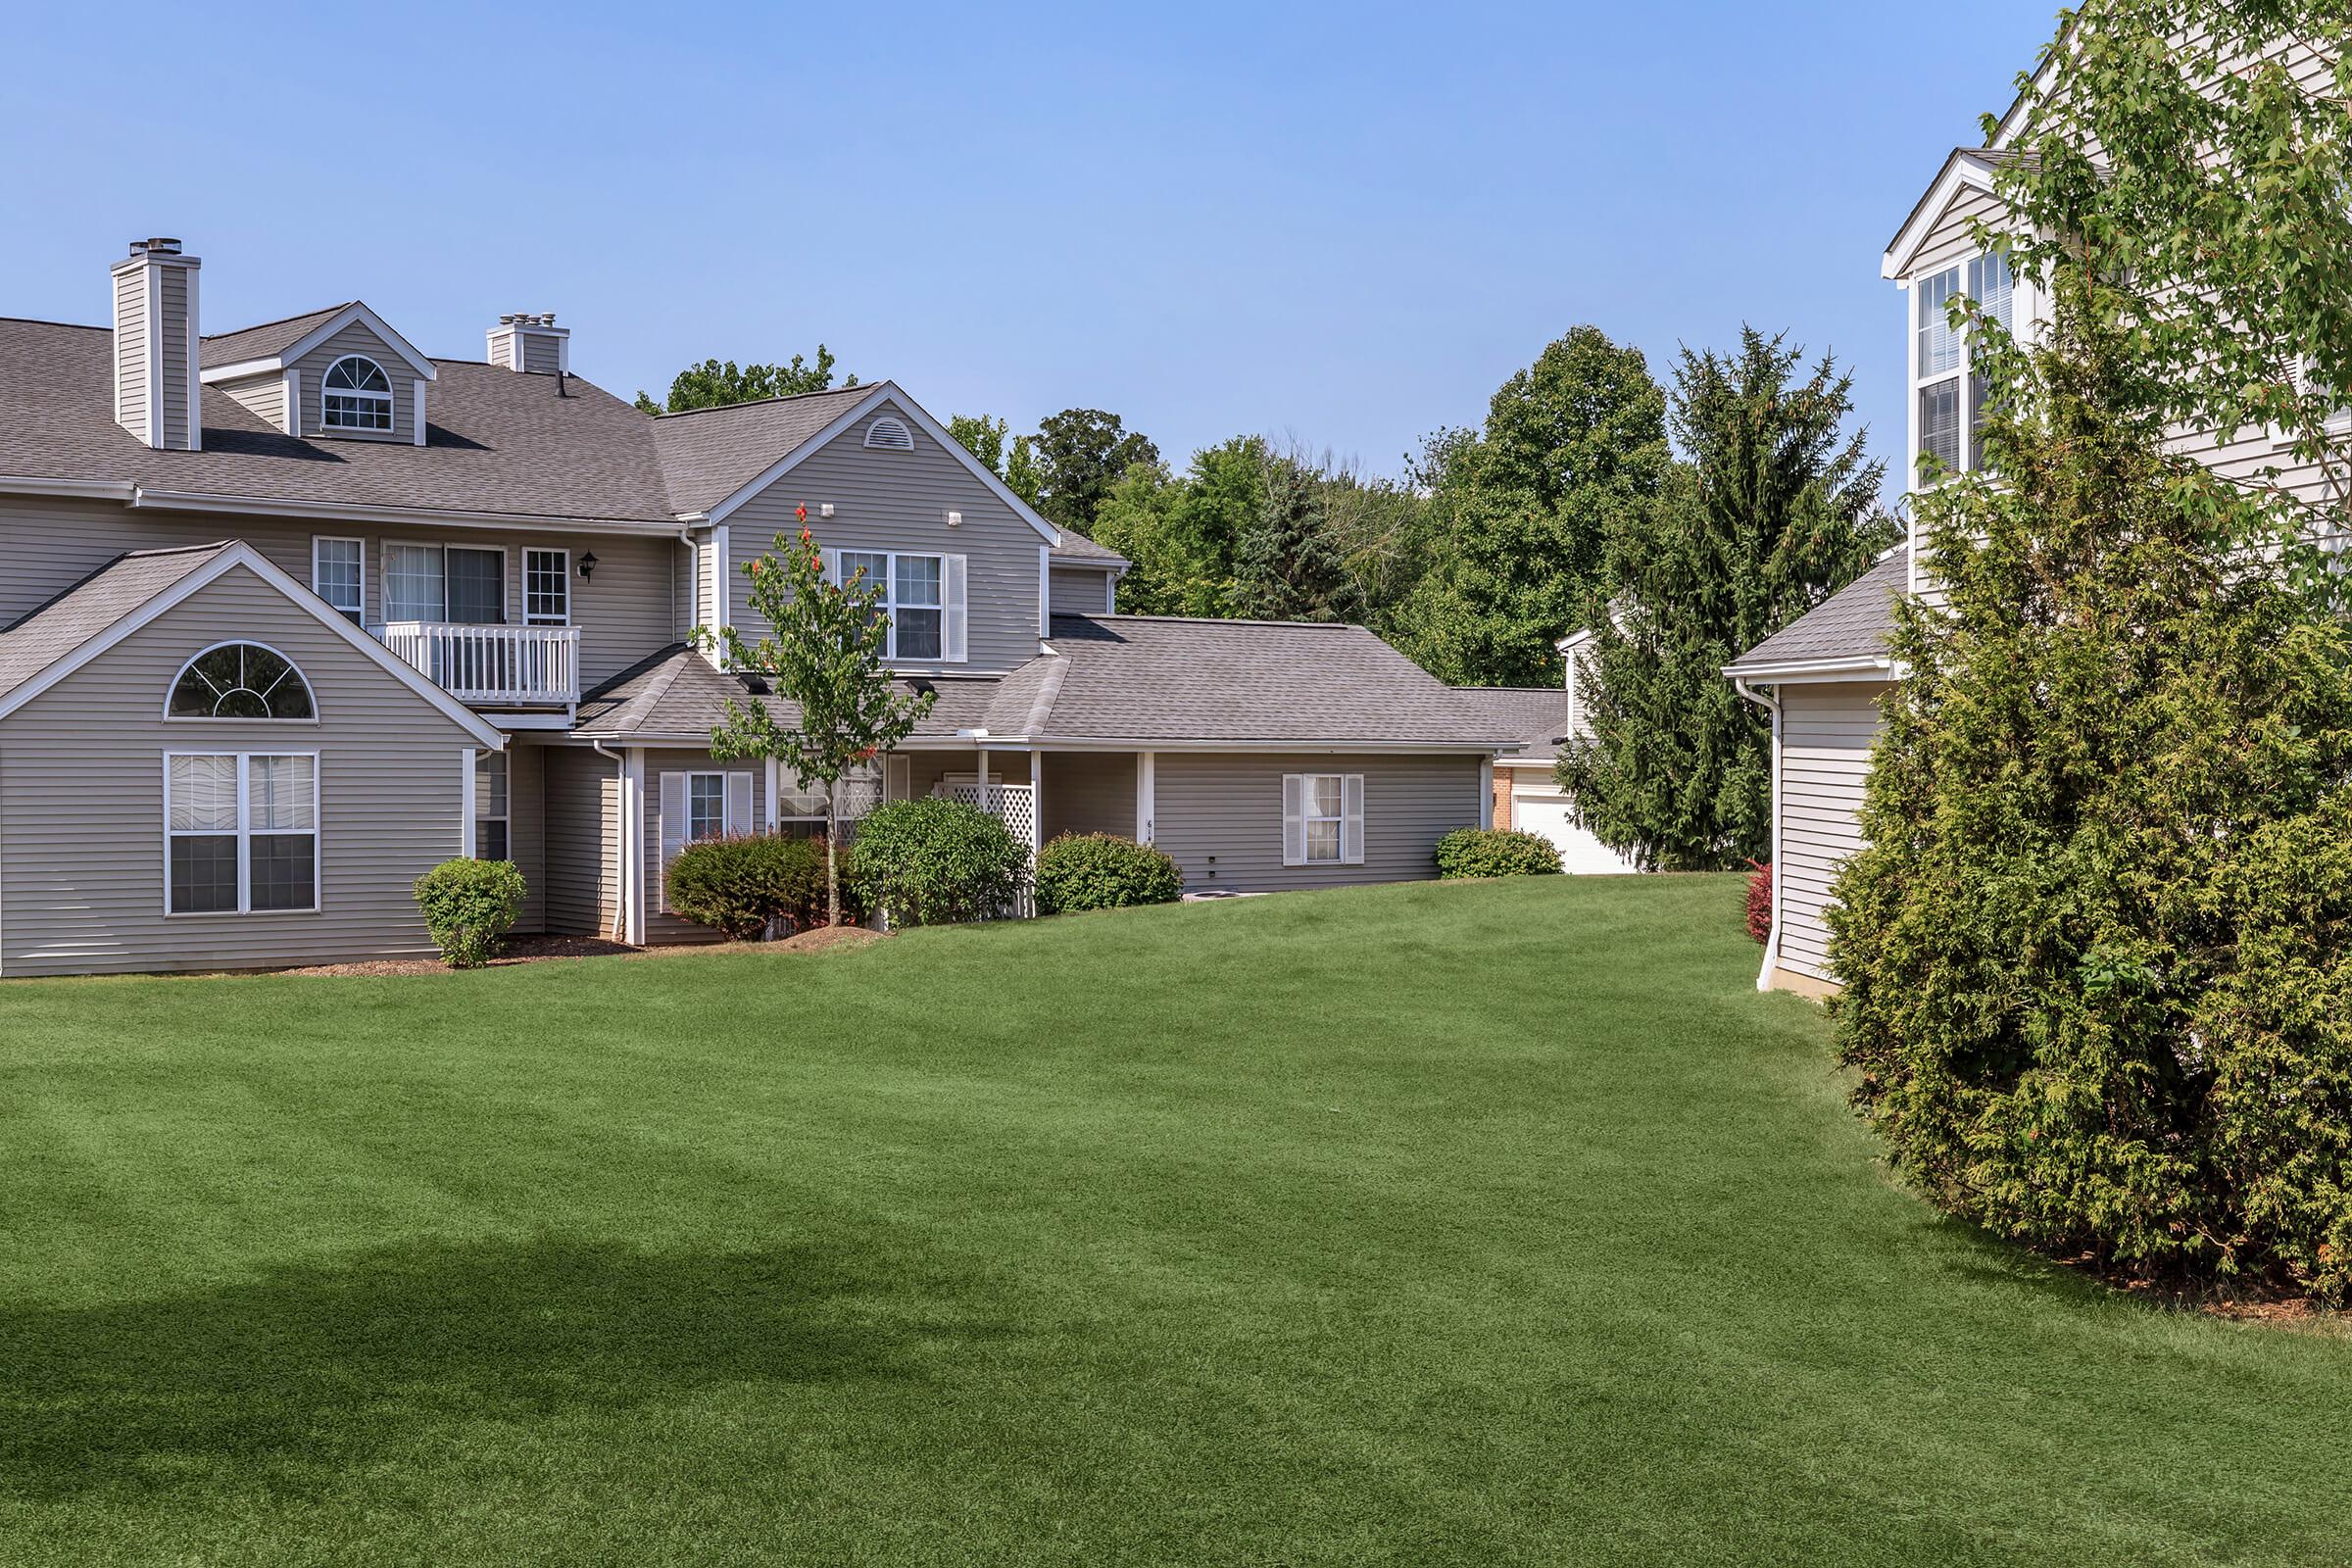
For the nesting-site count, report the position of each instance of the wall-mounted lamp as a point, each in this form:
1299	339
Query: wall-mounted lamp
587	566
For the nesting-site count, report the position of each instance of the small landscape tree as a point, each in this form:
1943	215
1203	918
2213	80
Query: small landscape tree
823	652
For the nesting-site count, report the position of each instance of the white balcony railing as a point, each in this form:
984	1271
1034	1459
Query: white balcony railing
493	667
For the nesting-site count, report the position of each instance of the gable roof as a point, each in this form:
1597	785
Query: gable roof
1539	715
127	593
679	695
522	446
1966	168
1849	630
710	453
267	338
271	346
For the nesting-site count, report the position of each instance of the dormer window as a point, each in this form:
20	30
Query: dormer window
890	434
357	396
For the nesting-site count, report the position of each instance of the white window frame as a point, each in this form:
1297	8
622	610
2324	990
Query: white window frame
442	549
384	400
245	836
531	618
1964	271
890	595
695	776
292	668
357	615
1349	820
1310	818
486	760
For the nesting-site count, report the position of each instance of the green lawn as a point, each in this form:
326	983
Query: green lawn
1480	1224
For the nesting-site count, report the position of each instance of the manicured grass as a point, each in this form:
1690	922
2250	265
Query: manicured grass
1463	1224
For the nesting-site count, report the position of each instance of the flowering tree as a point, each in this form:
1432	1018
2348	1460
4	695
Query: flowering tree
824	654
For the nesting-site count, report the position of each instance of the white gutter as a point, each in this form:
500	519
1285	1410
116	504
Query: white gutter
260	506
1814	668
95	489
1771	938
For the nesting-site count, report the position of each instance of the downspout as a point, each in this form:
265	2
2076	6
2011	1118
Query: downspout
620	780
1771	938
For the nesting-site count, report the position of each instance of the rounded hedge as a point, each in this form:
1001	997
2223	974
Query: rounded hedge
1481	851
468	904
1103	871
740	884
936	862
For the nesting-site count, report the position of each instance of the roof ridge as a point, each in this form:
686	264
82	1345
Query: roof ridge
1219	621
43	321
787	397
316	310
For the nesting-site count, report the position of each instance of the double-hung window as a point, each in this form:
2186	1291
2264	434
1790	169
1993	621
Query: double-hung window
913	598
703	804
546	587
241	832
1951	394
1323	819
339	575
490	808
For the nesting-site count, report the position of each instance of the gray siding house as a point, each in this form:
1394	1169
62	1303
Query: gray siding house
291	613
1822	677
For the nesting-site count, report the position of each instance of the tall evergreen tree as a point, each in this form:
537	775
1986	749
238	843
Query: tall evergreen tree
1522	513
1775	510
1286	566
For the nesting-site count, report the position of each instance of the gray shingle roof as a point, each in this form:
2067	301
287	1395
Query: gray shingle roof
1148	677
1078	550
709	454
268	339
677	695
524	445
55	629
1851	624
1540	712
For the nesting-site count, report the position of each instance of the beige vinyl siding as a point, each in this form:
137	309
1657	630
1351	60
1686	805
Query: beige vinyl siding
1827	732
886	500
541	355
356	338
661	929
171	357
263	396
502	350
624	612
1085	791
526	828
1077	591
1228	805
580	797
130	350
81	802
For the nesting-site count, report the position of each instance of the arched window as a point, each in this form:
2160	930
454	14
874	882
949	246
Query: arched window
359	396
240	680
891	433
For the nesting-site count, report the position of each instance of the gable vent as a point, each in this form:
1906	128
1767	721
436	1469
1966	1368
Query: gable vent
890	433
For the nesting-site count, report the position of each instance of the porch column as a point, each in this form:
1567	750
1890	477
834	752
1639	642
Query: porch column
1486	794
465	805
1037	801
1146	795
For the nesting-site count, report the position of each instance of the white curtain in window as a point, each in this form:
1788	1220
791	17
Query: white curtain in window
279	794
203	795
413	586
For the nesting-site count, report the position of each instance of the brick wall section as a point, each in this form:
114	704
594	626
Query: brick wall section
1502	797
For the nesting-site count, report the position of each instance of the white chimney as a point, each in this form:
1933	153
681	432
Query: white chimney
531	341
157	355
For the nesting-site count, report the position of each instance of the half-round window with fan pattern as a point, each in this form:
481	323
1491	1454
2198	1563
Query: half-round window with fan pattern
356	395
240	680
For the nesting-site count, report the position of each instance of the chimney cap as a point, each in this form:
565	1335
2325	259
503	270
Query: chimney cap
159	245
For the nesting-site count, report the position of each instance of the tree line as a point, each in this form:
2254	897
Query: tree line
1682	523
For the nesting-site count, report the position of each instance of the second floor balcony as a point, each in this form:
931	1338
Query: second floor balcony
492	665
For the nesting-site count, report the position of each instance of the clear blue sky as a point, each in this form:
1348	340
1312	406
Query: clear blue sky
1345	224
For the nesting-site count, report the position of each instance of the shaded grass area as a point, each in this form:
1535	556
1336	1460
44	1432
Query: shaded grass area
1441	1224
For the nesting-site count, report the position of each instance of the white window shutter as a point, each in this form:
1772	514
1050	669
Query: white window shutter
951	640
673	828
739	803
832	563
1352	824
1294	819
898	776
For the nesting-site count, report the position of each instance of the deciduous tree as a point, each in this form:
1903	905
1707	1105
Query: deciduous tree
713	384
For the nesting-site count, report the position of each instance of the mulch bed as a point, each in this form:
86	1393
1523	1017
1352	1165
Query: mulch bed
540	950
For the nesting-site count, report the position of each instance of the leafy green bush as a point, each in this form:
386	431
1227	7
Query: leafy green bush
1472	852
1103	871
937	862
737	885
468	904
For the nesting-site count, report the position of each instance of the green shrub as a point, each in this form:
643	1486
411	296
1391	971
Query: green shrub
1103	871
937	862
737	885
468	904
1473	851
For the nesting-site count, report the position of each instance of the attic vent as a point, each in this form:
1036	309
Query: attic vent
891	433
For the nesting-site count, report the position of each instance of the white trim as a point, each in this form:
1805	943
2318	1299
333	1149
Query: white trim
884	391
155	356
293	424
244	835
900	427
292	668
88	489
1147	796
1485	792
465	838
1044	591
632	848
389	543
240	554
131	493
195	364
1960	172
302	345
418	437
318	539
389	400
722	548
528	551
772	796
890	600
1873	666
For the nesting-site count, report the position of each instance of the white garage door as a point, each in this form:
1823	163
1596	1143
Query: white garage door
1548	812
